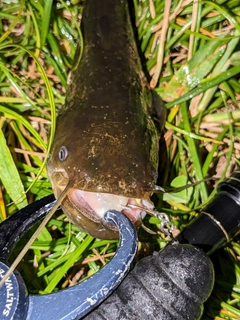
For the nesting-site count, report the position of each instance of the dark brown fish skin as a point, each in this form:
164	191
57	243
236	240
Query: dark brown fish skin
111	139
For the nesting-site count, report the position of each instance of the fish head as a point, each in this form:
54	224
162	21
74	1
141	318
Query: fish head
92	194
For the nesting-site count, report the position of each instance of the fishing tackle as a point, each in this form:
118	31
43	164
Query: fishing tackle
166	226
16	304
219	221
171	284
175	282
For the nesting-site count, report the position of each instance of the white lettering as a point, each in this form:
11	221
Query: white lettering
6	312
2	272
8	306
10	294
9	300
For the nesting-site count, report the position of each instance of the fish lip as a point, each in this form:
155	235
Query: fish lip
75	199
94	205
99	203
59	180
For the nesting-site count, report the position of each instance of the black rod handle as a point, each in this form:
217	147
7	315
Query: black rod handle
219	221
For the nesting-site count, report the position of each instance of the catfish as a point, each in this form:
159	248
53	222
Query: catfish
106	143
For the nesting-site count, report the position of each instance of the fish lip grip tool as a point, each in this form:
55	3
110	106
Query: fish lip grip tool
74	302
179	294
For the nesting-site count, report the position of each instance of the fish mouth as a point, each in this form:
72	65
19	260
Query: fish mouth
86	209
95	205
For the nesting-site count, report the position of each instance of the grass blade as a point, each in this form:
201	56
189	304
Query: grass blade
9	175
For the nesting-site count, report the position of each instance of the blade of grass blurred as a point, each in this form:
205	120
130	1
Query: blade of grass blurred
52	107
194	154
182	196
12	80
56	61
225	12
46	20
209	157
37	32
223	116
191	74
74	256
10	114
190	134
9	175
231	145
14	23
221	66
206	84
24	143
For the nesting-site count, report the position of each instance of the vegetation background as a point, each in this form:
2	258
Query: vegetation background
192	59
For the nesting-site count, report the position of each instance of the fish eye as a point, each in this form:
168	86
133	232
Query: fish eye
63	153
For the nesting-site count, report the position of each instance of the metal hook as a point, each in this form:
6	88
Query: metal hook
162	216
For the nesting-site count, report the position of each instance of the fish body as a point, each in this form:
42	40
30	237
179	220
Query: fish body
106	141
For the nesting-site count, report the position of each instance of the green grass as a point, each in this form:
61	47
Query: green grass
193	61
